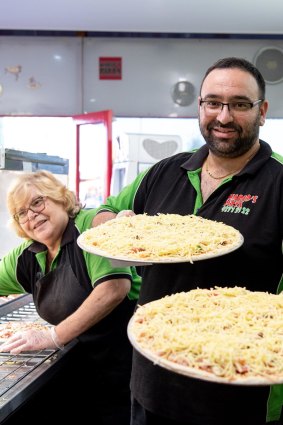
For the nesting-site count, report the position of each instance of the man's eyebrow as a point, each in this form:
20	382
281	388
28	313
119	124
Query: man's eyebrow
244	98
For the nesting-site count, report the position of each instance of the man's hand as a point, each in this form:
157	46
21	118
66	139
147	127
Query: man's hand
125	213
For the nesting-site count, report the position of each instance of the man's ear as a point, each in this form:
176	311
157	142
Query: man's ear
263	112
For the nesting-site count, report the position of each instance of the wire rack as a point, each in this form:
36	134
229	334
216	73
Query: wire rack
13	368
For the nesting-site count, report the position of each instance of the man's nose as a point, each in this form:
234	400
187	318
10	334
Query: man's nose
225	116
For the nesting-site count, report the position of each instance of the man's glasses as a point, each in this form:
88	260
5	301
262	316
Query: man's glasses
36	206
213	107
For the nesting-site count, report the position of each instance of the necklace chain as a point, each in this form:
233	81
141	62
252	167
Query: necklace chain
231	172
221	177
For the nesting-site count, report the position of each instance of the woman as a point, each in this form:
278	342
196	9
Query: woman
77	292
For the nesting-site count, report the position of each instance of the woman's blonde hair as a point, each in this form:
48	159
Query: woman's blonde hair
47	185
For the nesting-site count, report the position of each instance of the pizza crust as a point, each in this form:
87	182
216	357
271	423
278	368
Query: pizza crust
202	375
163	238
225	335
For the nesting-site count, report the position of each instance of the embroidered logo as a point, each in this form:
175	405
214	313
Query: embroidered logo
238	203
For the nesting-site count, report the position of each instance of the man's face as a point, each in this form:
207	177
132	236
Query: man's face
227	131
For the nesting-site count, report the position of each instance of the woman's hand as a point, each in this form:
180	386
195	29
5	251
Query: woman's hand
31	340
101	301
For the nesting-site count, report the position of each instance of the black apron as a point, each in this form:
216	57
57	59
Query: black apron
104	353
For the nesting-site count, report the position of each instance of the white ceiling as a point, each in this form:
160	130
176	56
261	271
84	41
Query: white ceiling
158	16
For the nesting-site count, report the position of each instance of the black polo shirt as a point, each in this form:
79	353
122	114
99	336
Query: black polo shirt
252	202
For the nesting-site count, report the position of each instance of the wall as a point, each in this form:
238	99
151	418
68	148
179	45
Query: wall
152	66
40	76
60	75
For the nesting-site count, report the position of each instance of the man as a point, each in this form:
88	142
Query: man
234	178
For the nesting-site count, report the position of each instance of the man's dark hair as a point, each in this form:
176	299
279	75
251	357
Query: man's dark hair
239	63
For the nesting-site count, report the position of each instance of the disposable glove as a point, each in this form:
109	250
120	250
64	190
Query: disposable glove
31	340
125	213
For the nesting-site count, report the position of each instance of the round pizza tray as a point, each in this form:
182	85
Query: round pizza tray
193	372
121	260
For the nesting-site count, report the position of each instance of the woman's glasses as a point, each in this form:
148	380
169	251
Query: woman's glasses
36	206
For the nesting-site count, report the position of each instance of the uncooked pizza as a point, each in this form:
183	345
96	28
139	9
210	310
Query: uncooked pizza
161	238
8	329
228	335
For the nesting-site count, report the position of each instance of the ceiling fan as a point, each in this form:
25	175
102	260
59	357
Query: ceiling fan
269	61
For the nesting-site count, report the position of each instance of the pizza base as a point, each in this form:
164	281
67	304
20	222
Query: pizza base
197	373
164	238
121	259
157	332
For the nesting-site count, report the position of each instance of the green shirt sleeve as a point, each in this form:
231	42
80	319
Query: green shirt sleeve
8	266
99	268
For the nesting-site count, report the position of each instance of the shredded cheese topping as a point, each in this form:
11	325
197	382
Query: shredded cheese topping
231	333
162	236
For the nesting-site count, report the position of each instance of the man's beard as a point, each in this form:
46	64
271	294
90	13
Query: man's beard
234	147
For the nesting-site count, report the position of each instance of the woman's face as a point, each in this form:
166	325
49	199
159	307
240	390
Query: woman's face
42	219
